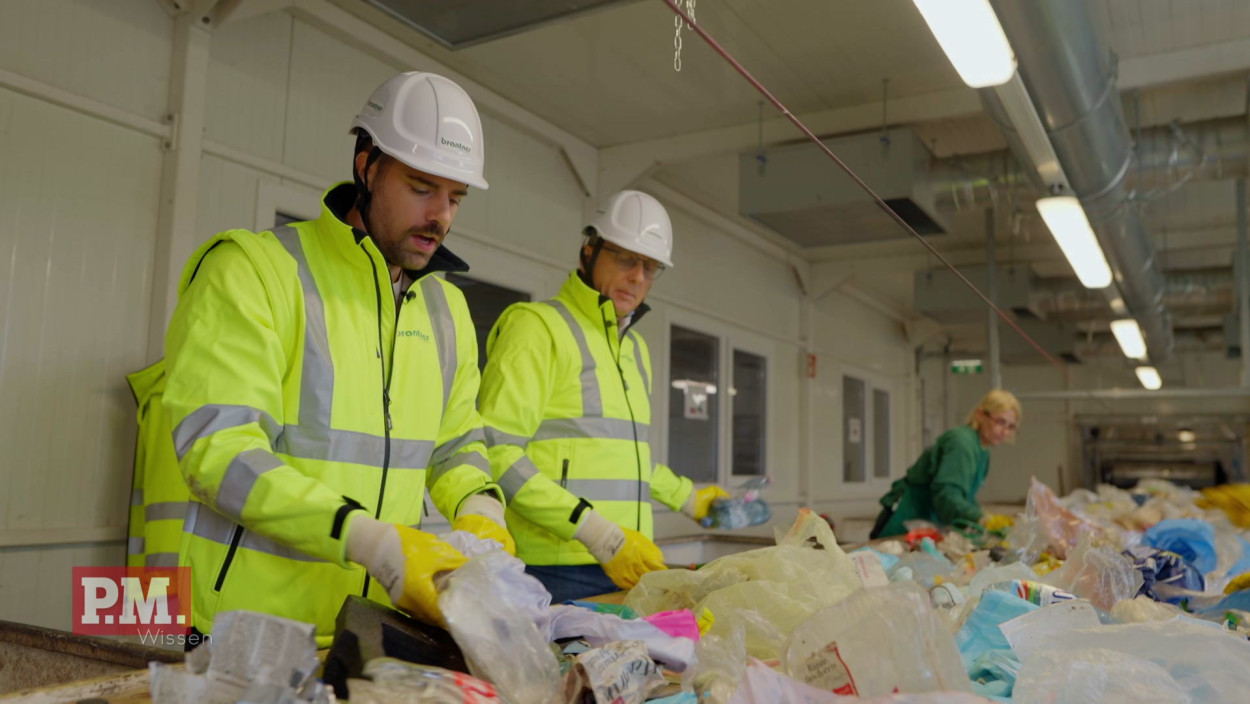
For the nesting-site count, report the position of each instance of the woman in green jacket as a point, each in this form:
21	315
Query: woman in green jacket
942	485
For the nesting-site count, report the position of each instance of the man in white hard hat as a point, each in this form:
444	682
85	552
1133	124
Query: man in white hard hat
566	402
321	378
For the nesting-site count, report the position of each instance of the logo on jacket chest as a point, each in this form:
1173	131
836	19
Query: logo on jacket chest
414	334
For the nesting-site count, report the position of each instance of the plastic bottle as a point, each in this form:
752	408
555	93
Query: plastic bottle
745	508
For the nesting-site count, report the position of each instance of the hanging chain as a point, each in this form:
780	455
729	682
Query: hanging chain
677	33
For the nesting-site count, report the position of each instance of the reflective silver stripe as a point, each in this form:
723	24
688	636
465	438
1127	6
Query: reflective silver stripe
498	437
136	497
410	454
515	477
161	559
444	452
464	459
596	428
642	369
444	332
241	475
592	398
135	546
608	489
166	511
211	418
206	523
316	384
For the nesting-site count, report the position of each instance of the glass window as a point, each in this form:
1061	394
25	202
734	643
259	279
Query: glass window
486	303
748	394
854	447
692	408
880	433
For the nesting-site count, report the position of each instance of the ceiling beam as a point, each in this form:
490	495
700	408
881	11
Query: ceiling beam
620	165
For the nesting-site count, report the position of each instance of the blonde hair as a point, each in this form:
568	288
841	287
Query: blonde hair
996	401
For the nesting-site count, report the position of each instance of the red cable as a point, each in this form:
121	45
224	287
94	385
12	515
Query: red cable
880	203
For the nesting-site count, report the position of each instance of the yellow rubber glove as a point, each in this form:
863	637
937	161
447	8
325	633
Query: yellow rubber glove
700	502
405	561
486	529
482	515
997	521
625	554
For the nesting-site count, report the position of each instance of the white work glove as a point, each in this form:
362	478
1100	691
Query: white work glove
625	554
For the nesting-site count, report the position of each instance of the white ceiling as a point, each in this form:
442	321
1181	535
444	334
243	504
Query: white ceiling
608	78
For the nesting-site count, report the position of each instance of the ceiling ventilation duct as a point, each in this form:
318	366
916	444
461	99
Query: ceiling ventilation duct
457	24
799	194
1070	75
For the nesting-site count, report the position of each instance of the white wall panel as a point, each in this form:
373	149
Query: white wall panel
113	51
247	85
36	585
329	82
76	241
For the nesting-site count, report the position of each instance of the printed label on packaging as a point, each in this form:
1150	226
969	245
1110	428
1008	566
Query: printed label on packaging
827	670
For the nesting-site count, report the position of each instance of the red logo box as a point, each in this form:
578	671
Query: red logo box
132	601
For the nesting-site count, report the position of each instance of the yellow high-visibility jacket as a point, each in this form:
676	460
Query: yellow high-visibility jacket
158	496
567	407
297	393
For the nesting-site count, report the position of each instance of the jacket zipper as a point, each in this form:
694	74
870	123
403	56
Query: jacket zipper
633	423
225	566
564	476
386	402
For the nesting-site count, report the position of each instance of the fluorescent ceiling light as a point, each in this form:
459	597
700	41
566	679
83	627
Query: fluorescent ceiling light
969	32
1149	378
1128	334
1019	108
1066	220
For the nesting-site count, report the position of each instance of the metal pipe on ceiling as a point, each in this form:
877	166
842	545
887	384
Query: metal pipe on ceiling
1070	74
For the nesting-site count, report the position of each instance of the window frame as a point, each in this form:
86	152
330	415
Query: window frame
872	486
729	338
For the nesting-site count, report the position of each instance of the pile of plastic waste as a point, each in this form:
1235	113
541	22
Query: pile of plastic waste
1099	596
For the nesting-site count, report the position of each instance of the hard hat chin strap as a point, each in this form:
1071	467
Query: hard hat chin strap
588	260
364	199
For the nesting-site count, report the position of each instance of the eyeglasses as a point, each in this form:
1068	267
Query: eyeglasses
1003	423
626	261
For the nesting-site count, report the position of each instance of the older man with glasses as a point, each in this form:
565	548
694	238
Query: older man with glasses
566	403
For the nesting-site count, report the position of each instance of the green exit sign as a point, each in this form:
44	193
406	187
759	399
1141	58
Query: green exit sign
966	366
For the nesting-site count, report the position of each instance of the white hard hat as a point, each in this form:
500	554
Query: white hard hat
637	222
429	123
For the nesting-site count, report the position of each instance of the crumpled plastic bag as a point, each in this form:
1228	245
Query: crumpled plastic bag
494	625
1143	609
1095	676
767	591
763	685
1062	528
720	663
877	641
1098	573
1190	538
1208	663
601	629
1166	576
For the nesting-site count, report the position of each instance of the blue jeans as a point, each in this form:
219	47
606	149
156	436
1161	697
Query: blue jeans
570	582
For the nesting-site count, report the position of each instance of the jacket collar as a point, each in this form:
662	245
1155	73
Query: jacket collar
588	302
337	202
